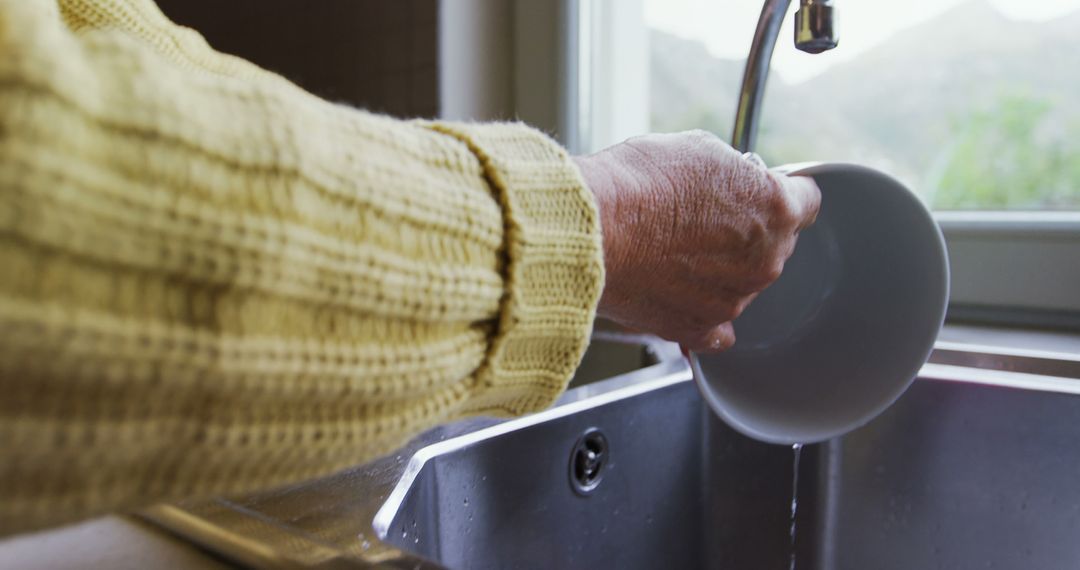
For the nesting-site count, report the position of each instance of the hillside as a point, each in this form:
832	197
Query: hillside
948	106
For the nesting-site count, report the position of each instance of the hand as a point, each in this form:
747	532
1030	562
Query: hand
692	233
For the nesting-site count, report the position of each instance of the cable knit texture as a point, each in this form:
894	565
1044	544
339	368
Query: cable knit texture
215	282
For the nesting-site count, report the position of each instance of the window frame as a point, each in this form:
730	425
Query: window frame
1014	268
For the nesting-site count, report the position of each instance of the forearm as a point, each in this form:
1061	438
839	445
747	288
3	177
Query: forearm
215	282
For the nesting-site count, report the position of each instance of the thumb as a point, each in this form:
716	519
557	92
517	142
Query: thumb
805	198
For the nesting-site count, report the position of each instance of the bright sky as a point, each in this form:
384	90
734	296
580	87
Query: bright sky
727	26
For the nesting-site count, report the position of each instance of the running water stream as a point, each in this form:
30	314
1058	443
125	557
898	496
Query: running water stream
796	451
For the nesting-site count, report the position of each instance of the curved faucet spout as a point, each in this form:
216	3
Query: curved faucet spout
815	32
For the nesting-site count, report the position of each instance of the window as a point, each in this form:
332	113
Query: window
974	104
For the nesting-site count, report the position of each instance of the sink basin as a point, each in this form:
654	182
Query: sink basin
975	467
956	475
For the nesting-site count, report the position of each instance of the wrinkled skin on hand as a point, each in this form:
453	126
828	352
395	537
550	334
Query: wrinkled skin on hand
692	233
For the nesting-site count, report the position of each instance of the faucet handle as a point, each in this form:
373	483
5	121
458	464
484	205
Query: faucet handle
815	29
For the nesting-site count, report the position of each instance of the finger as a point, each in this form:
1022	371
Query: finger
745	302
717	339
805	197
730	308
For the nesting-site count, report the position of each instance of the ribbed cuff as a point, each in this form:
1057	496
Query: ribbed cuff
554	266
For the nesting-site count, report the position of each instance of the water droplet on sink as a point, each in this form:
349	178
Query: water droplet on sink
416	540
466	501
365	545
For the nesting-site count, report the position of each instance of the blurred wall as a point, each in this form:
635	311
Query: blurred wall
381	55
476	59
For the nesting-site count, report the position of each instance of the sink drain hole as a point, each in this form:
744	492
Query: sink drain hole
587	461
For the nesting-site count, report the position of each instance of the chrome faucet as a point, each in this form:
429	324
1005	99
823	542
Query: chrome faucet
814	33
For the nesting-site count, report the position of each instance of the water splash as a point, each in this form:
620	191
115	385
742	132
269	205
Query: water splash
796	452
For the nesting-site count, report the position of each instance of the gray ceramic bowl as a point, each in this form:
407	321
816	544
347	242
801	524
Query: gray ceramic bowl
845	329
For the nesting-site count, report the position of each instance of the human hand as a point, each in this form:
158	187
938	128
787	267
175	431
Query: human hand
692	233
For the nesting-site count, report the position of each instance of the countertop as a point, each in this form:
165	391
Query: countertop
113	542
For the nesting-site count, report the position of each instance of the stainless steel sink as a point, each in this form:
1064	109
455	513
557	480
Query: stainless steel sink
956	475
977	466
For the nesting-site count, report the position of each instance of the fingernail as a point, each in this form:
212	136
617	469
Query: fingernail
754	158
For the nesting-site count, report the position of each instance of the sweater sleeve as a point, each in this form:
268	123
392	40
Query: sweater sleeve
215	282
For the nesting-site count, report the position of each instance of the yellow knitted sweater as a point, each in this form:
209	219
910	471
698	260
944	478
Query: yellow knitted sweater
213	281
